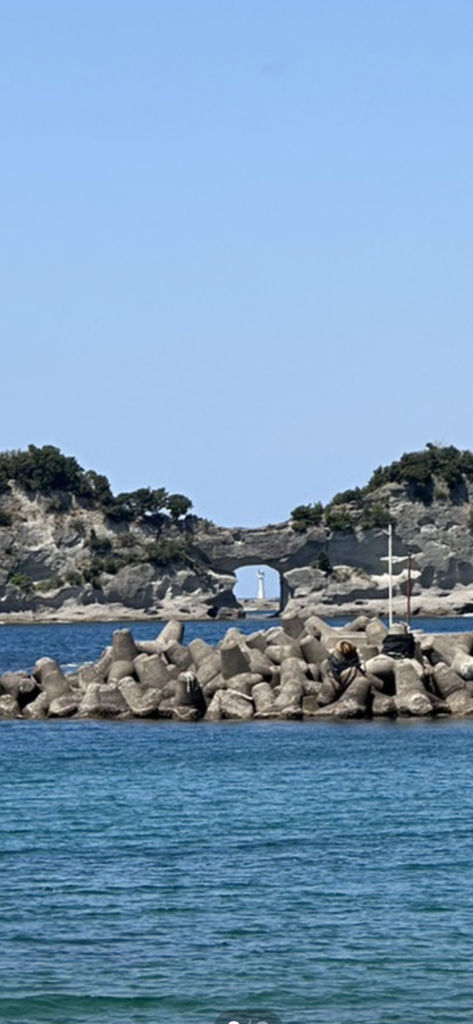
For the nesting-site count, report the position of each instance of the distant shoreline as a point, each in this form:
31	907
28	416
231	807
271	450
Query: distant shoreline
108	613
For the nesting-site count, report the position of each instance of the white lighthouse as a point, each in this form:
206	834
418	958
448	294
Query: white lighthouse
261	594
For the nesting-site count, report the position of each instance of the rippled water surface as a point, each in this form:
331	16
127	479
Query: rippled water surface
167	872
71	643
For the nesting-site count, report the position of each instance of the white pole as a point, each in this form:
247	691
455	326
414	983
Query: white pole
390	572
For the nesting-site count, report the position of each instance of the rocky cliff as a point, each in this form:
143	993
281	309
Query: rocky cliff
65	555
342	567
78	561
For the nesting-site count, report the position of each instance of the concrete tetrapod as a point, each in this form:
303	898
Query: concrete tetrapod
271	673
22	687
234	660
411	697
462	664
50	677
453	690
151	670
263	699
9	707
143	702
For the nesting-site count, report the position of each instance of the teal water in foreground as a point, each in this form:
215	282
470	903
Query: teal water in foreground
160	872
168	873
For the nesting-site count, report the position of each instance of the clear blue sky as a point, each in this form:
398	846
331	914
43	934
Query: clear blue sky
237	240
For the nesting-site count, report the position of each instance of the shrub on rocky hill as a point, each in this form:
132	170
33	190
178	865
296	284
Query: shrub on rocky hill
47	472
438	471
304	516
418	470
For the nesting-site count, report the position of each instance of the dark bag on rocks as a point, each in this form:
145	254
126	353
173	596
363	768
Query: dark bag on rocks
399	645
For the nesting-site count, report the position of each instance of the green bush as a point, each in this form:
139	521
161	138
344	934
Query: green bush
41	469
324	563
164	552
74	578
99	545
354	495
96	487
59	502
47	471
374	517
111	565
307	516
4	484
93	572
299	525
419	469
53	583
178	505
143	503
21	581
338	518
118	512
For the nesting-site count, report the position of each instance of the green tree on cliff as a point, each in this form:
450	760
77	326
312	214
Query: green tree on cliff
178	505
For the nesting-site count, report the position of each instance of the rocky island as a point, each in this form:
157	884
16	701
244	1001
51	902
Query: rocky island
70	548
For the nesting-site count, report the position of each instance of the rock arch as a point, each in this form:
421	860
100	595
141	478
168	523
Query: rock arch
282	548
279	547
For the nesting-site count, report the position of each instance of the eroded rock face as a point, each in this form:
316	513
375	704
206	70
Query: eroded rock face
47	564
305	580
132	585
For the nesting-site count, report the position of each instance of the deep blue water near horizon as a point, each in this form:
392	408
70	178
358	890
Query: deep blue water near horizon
161	872
72	643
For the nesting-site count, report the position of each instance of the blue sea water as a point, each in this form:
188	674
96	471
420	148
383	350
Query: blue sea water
161	872
170	873
73	643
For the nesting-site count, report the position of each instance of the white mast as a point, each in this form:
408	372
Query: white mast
390	571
